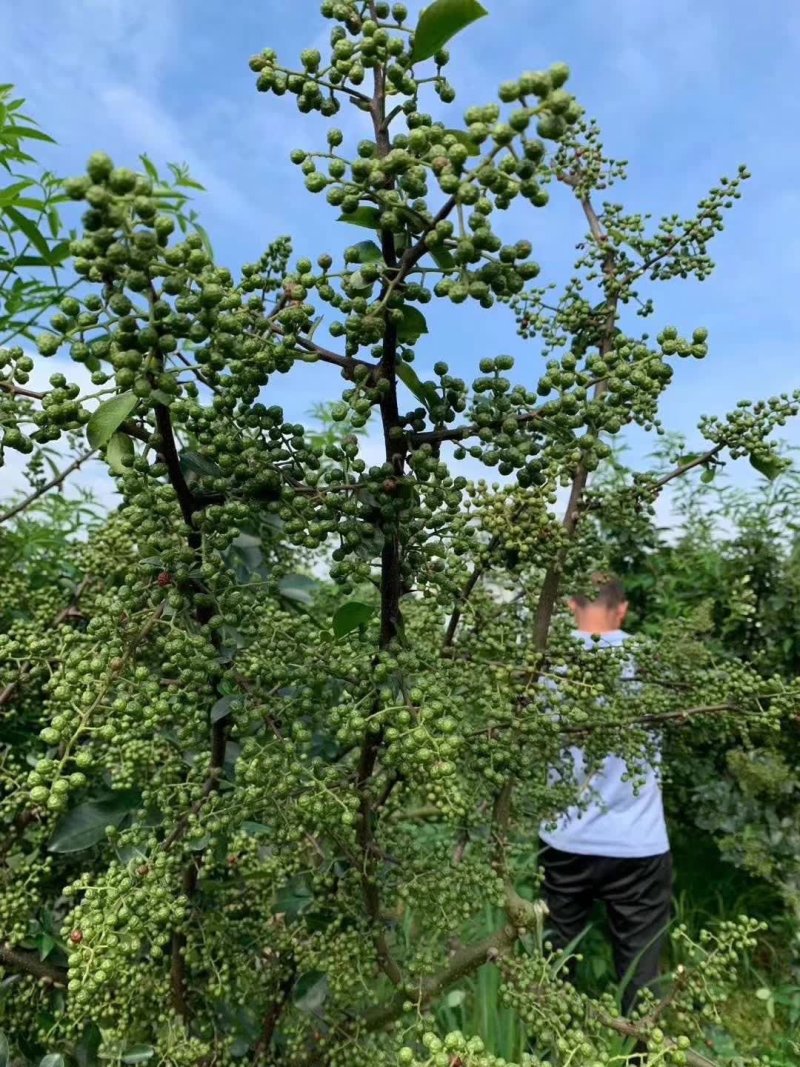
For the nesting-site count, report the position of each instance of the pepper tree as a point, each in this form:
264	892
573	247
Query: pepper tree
258	814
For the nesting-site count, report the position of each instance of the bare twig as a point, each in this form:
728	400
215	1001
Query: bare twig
684	468
57	480
18	390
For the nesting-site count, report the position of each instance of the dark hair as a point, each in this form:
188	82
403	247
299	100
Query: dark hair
608	591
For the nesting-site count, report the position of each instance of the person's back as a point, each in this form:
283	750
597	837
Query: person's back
619	820
614	847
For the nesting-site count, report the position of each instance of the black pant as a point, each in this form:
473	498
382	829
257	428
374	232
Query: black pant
637	894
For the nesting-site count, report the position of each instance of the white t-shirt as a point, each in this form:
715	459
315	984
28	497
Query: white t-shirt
617	822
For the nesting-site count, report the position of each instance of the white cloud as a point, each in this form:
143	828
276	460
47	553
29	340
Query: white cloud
89	43
147	124
656	49
109	61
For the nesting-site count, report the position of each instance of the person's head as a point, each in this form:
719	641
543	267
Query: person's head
604	610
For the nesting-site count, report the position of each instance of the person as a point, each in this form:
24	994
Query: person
615	849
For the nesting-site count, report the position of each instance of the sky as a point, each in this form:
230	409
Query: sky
686	90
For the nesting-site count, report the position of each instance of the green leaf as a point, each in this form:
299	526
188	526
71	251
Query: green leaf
4	1050
89	1045
412	325
30	230
120	448
54	222
29	133
413	220
85	825
30	203
440	22
108	417
138	1054
366	252
369	217
298	587
246	557
425	392
768	465
311	992
464	138
23	261
189	183
256	829
351	616
223	707
11	192
195	466
323	747
442	258
357	281
149	167
293	898
55	1059
46	944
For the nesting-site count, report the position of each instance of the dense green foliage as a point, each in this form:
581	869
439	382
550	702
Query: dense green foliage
258	815
744	588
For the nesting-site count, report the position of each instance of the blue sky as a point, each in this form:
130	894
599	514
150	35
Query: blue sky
684	90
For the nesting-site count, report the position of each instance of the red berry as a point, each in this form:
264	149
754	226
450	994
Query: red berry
76	937
164	579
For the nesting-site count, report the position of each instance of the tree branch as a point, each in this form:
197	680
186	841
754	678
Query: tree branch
17	390
463	962
390	578
169	451
552	579
682	715
15	959
642	1032
469	588
52	484
460	433
188	506
272	1017
679	471
347	364
550	586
